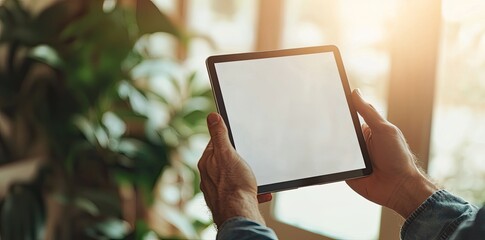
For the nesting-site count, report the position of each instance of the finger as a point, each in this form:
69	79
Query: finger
366	110
359	185
366	131
206	183
204	179
266	197
218	131
209	147
206	195
202	187
205	155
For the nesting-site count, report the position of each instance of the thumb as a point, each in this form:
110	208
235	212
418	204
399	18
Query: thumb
218	131
366	110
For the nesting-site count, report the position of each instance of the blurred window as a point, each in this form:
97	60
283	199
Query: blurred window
223	26
458	142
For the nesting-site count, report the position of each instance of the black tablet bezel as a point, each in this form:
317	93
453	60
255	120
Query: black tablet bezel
292	184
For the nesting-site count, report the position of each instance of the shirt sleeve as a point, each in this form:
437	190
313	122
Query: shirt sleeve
438	217
244	229
471	228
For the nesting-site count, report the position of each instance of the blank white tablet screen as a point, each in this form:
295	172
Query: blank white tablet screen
289	116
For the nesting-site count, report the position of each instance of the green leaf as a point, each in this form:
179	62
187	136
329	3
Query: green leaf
111	228
181	221
200	226
115	126
16	13
205	92
105	202
22	214
50	22
6	19
176	85
86	128
136	97
150	19
142	230
149	160
74	151
191	79
196	117
128	115
157	96
86	205
47	55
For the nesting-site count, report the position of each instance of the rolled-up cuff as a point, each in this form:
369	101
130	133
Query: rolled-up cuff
242	228
438	217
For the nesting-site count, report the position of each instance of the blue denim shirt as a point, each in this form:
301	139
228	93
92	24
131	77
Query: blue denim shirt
441	216
242	228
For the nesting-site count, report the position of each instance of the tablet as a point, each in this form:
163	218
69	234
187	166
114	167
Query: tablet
290	116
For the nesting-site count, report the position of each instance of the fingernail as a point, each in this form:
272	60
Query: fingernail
212	119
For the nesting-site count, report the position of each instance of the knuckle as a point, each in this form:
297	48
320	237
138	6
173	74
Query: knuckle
390	129
201	165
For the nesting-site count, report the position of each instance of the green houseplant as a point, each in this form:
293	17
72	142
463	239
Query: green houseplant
72	106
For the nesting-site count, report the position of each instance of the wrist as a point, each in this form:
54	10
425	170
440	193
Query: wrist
238	204
412	194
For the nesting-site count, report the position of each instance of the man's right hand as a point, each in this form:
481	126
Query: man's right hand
227	181
396	181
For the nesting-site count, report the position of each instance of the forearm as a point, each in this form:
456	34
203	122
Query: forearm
237	204
412	194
